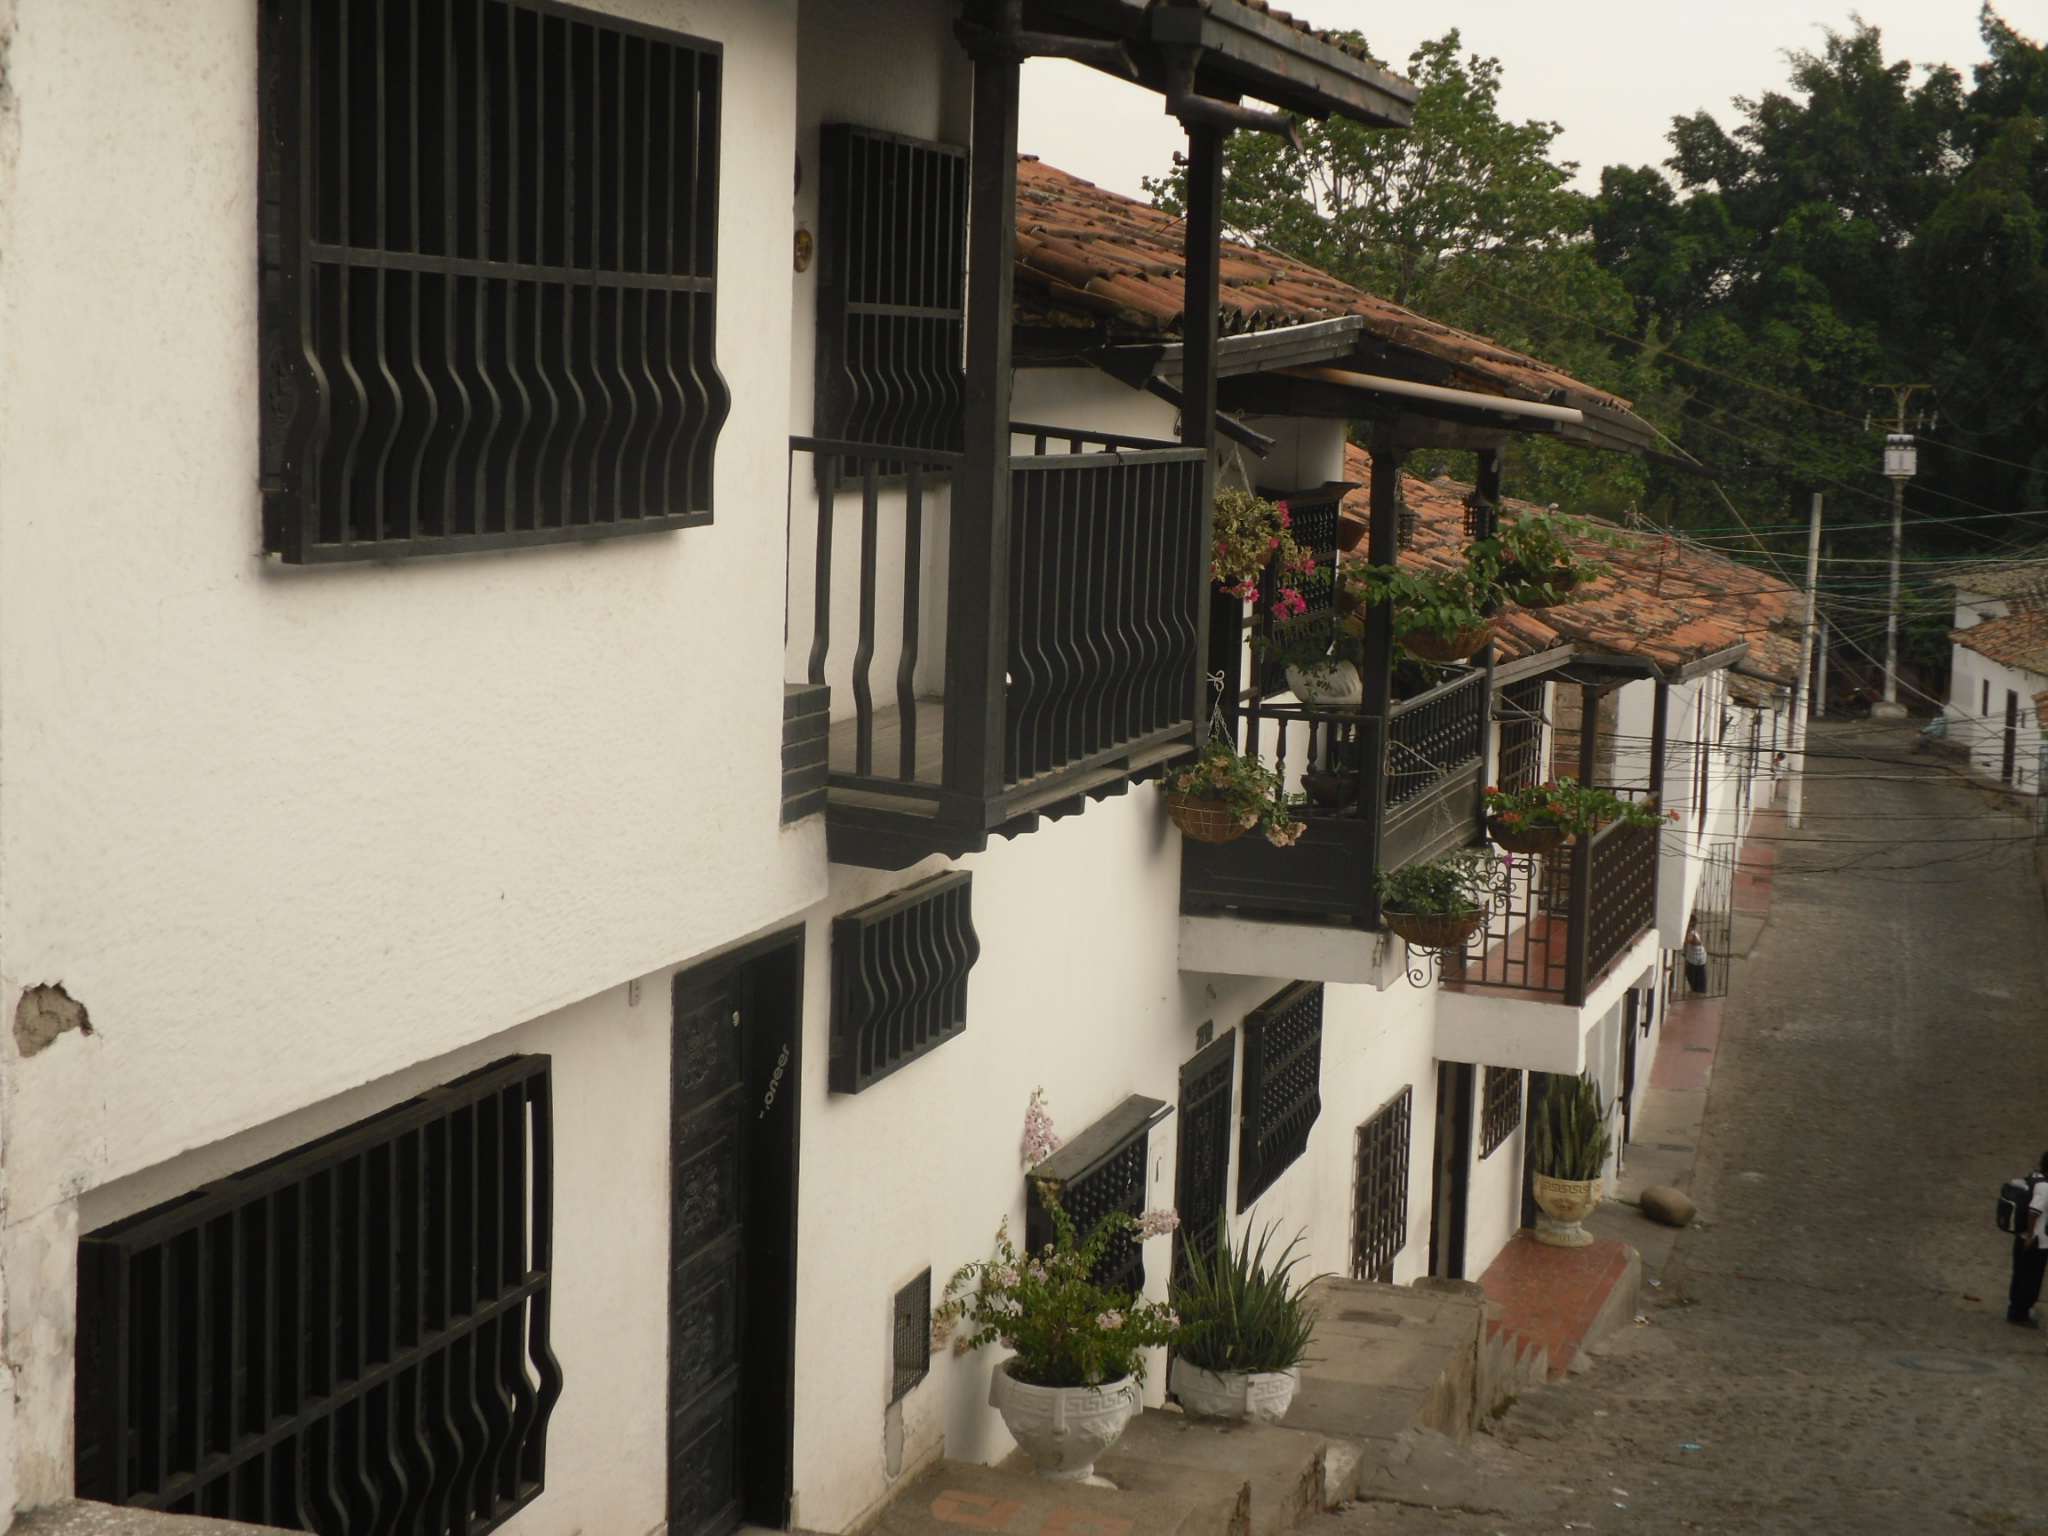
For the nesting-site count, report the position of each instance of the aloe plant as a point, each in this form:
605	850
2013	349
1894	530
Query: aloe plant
1569	1136
1240	1311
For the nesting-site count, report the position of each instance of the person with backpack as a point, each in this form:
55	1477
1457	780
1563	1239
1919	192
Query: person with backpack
1695	960
2029	1245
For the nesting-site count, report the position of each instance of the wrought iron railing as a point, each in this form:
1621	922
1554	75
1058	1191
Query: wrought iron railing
1559	921
1432	735
1099	629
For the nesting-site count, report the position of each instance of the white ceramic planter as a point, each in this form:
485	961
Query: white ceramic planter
1336	683
1258	1397
1564	1203
1063	1429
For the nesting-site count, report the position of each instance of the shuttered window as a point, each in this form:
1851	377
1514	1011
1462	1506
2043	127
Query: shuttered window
1283	1070
352	1337
489	255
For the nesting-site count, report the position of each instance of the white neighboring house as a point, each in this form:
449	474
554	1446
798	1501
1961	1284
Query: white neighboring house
505	1035
1998	672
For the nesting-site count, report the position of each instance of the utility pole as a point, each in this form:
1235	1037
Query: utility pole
1820	666
1901	463
1802	701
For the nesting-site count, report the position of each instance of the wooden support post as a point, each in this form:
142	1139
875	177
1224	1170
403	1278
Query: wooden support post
1201	255
1493	463
978	570
1660	736
1589	732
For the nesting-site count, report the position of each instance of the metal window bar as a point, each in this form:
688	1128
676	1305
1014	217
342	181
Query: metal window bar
1501	1108
899	978
892	289
1283	1068
1519	709
351	1338
1379	1189
488	301
1100	1172
911	1336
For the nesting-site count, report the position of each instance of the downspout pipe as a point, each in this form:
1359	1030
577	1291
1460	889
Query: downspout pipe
1185	103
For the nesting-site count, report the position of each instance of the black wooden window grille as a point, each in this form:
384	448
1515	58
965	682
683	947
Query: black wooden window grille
1316	518
350	1338
1283	1069
1501	1110
1520	712
1202	1153
489	249
899	978
1379	1202
892	286
1101	1171
912	1330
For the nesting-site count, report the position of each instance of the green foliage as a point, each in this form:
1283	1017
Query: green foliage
1568	806
1253	792
1067	1330
1532	560
1569	1137
1250	533
1457	882
1240	1312
1434	601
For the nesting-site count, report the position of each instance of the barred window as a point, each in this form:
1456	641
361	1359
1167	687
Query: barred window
350	1337
892	284
489	251
911	1336
1519	709
899	978
1283	1070
1379	1194
1100	1172
1501	1112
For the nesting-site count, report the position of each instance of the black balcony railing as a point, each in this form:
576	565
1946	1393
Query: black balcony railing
1378	793
1099	630
1561	920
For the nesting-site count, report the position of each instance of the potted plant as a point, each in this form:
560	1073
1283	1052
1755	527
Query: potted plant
1246	1327
1440	904
1247	534
1440	615
1321	654
1224	795
1569	1139
1538	818
1532	560
1073	1383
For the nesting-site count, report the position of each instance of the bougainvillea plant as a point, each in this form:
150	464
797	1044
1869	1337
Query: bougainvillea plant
1252	792
1251	533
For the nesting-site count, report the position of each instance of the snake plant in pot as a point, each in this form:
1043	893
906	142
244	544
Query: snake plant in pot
1569	1139
1246	1327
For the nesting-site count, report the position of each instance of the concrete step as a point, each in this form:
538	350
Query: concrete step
1152	1499
85	1517
1282	1468
1561	1300
1387	1358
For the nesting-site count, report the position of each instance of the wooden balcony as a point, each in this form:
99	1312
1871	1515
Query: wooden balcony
1096	628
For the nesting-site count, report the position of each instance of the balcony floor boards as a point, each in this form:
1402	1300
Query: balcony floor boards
930	727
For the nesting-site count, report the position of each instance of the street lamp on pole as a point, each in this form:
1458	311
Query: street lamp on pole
1901	463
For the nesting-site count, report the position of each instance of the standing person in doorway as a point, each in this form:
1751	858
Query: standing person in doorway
1695	960
2030	1253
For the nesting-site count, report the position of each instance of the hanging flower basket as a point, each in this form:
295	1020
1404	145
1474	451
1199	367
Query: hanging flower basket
1446	649
1435	930
1525	839
1539	589
1206	821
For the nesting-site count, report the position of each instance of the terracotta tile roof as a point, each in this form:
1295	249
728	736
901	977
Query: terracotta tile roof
2005	580
1336	40
1087	258
2020	639
1664	600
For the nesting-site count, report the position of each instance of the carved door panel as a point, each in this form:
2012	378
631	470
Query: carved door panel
707	1199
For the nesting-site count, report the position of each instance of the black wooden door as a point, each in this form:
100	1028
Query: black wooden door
707	1280
2010	759
1201	1175
1452	1183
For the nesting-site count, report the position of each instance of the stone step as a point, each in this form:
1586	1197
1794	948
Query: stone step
1387	1358
1282	1468
1152	1499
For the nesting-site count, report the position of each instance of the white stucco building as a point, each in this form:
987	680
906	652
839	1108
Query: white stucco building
527	943
1998	672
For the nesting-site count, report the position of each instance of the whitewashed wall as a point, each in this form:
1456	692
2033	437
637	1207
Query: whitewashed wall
286	832
1982	731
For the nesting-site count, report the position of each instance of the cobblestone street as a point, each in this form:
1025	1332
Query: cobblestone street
1827	1351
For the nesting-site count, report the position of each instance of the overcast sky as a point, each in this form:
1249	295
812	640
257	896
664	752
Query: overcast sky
1612	72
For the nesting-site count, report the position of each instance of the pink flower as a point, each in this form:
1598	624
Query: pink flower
1007	1277
1040	1140
1156	1224
1109	1321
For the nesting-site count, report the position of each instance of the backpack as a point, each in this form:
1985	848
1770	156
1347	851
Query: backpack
2015	1196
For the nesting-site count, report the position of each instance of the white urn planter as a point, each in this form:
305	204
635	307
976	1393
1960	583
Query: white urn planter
1564	1203
1257	1397
1336	682
1063	1429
